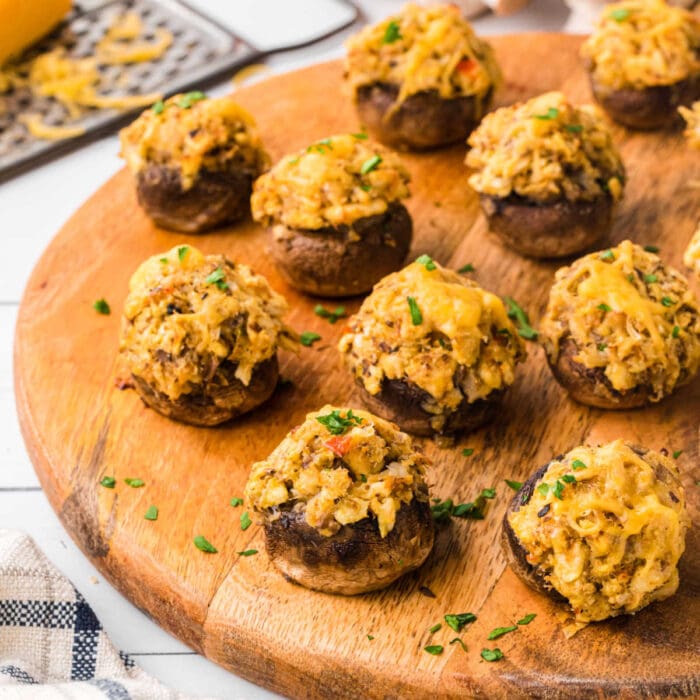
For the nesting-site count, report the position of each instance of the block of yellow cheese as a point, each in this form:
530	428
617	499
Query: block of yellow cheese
22	22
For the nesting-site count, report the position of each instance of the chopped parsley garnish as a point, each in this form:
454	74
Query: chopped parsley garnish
552	113
109	482
427	262
416	315
392	33
515	485
151	513
604	307
500	631
667	301
543	488
630	278
236	501
650	279
527	619
164	260
607	255
189	98
558	489
466	268
491	654
363	479
102	307
525	330
620	15
434	649
218	277
459	620
246	522
370	637
336	424
360	135
248	552
370	164
467	452
457	640
578	464
574	128
365	188
158	107
651	248
442	511
601	346
135	483
308	338
331	316
675	332
435	628
182	252
203	545
677	454
569	478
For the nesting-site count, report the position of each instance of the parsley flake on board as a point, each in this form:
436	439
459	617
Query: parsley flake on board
491	654
135	483
416	315
466	268
236	501
308	338
370	637
457	640
515	485
203	545
651	248
189	98
392	33
247	552
434	649
331	316
360	135
370	164
151	513
435	628
459	620
467	452
102	307
109	482
517	313
527	619
218	278
427	262
335	424
246	522
500	631
677	454
442	511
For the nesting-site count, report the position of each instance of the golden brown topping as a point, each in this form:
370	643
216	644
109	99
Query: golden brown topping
187	314
339	467
691	257
435	329
692	119
607	525
545	149
333	182
629	315
423	49
191	133
640	43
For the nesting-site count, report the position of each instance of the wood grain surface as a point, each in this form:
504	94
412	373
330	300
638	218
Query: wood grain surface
238	610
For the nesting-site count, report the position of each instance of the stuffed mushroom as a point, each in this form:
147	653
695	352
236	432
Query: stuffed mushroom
644	62
194	160
431	350
421	78
335	211
343	502
621	329
200	336
548	175
601	529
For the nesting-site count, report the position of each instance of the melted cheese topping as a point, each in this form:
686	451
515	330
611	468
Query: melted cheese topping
370	470
330	183
77	83
692	119
691	257
611	544
187	314
545	149
630	315
464	347
214	134
641	43
423	49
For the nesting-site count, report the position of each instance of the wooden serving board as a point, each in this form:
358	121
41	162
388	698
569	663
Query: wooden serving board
239	611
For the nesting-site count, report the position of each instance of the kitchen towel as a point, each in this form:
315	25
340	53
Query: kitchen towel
51	644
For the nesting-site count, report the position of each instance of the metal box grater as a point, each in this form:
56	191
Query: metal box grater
202	50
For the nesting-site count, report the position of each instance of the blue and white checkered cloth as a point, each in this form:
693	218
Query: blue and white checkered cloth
51	644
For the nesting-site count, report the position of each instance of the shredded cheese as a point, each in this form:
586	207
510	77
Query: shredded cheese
611	540
629	315
371	470
465	347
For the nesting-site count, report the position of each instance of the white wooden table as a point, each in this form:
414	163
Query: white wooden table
35	205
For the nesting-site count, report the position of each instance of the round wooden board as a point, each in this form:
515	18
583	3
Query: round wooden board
238	610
